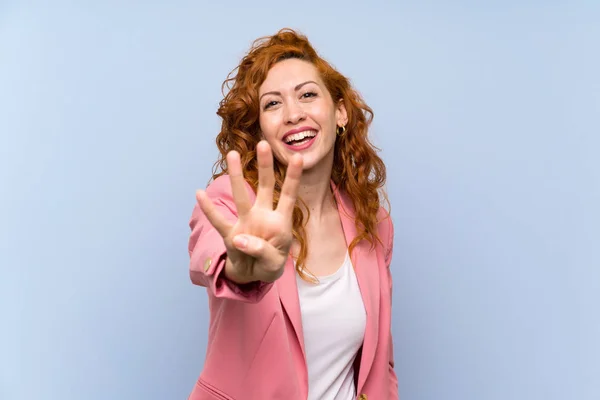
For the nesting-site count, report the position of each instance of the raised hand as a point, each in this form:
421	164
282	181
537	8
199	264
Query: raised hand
258	243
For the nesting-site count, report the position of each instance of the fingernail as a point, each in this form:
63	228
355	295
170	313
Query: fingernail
240	241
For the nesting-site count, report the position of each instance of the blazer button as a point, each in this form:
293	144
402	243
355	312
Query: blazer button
363	397
207	263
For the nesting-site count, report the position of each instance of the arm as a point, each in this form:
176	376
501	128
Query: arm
208	253
393	392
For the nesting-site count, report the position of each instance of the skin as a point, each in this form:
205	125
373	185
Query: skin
293	95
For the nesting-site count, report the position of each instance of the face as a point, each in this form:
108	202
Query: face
298	115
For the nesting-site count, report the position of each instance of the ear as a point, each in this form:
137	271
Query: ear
341	115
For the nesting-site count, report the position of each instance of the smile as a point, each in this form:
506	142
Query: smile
300	140
300	137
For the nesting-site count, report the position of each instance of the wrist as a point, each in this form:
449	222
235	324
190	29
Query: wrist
229	273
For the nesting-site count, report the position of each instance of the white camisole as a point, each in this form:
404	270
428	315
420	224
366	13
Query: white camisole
333	321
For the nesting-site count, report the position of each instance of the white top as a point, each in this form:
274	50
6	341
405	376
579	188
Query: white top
333	320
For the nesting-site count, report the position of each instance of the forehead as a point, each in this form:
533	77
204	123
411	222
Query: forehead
287	74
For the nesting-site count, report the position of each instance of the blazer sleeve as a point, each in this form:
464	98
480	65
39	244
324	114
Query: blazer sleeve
393	379
208	253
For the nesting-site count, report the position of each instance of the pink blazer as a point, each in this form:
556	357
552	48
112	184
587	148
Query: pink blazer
255	344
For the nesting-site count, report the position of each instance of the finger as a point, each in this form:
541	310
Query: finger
257	247
216	219
238	184
289	191
266	176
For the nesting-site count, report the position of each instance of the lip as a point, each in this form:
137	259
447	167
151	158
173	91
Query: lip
297	130
303	146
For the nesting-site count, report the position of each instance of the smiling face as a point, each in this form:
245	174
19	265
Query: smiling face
298	115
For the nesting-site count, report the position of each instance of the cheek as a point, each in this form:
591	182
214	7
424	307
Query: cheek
270	126
325	117
267	128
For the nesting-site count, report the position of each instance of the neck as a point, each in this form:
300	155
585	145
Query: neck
315	191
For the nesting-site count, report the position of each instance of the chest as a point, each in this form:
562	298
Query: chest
332	310
327	248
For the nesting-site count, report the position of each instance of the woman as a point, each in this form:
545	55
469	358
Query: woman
290	239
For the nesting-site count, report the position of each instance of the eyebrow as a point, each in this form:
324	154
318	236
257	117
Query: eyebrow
295	89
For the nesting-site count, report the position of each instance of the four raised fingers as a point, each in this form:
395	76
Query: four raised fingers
289	191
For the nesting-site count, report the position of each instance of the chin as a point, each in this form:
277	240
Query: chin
308	165
311	158
314	161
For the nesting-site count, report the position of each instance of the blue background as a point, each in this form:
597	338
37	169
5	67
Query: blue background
488	116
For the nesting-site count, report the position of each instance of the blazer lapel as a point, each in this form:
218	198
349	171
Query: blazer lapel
364	261
288	294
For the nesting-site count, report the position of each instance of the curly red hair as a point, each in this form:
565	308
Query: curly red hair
357	169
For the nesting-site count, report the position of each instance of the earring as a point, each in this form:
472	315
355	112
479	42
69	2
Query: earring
341	130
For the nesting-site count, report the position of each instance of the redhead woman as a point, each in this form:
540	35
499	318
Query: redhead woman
290	238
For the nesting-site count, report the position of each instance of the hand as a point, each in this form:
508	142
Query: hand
259	242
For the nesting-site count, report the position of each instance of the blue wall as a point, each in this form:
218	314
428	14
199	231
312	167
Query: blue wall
488	116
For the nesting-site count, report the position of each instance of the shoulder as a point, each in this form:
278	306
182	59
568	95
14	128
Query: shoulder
220	189
384	224
219	186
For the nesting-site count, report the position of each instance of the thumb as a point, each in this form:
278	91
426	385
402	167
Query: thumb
255	246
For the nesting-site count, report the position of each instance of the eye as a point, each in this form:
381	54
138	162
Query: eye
270	104
309	94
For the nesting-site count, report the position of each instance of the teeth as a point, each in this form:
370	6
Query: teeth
300	136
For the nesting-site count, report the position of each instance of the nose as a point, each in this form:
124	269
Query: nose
294	113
